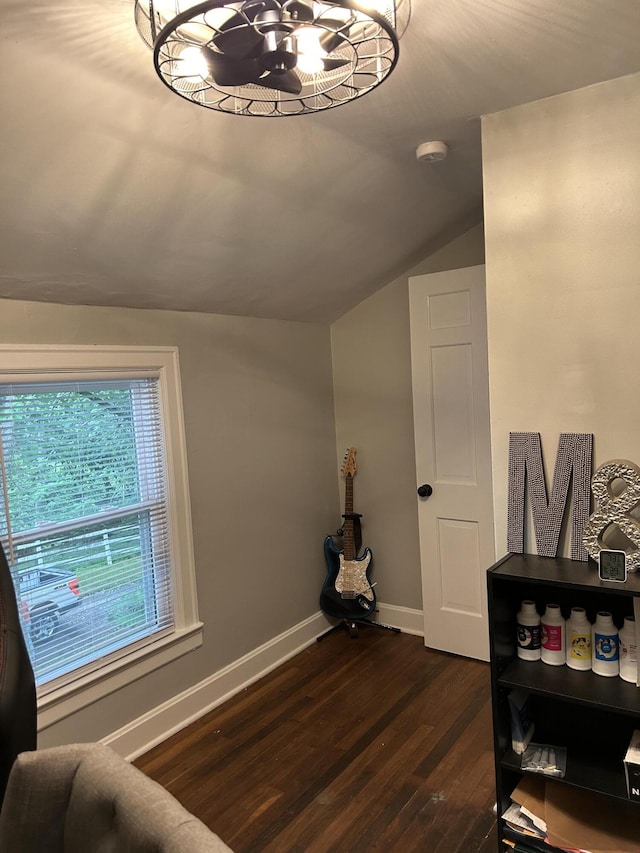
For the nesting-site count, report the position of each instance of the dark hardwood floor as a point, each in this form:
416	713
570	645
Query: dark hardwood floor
374	743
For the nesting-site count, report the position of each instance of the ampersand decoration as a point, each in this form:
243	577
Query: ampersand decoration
614	510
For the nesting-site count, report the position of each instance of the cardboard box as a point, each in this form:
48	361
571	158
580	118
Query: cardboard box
583	820
632	767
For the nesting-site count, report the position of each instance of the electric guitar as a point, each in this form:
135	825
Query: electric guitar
347	592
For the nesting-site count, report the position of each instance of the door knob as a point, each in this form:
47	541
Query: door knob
425	490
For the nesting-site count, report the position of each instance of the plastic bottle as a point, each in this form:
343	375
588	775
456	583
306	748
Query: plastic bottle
528	631
553	641
578	639
605	658
629	650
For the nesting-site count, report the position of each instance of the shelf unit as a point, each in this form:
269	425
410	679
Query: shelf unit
593	716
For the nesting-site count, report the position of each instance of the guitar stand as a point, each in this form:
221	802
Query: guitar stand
352	626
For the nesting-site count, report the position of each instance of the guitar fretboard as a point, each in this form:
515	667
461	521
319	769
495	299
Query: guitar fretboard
349	546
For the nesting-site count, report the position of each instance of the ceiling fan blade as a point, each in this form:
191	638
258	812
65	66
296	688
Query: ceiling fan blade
332	24
332	64
329	41
227	71
237	39
287	81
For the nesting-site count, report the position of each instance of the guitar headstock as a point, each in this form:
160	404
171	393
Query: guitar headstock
349	466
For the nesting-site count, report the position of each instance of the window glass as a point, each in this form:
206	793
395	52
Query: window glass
83	517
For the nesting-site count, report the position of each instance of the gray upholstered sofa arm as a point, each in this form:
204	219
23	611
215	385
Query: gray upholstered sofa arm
81	798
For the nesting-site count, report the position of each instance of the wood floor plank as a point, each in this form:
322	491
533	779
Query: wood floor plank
367	744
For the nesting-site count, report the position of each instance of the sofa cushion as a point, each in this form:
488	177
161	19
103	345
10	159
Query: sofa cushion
80	798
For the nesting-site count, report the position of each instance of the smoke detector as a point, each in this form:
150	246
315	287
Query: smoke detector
429	152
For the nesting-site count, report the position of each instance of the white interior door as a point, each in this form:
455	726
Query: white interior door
453	456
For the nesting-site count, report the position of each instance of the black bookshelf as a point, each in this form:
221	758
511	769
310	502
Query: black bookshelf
592	716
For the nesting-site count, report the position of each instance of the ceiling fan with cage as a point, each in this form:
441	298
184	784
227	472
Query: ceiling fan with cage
269	57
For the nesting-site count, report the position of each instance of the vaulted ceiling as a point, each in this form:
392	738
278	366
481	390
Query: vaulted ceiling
118	192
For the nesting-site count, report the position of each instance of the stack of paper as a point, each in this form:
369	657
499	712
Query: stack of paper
547	816
525	828
516	819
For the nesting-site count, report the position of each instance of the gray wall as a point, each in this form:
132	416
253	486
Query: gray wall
562	221
258	408
374	413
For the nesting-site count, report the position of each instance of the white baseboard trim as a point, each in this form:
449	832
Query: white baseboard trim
409	621
147	731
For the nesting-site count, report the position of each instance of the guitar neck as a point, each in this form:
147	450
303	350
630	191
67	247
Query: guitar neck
348	545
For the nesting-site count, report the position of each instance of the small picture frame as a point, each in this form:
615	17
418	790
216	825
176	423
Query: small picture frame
612	565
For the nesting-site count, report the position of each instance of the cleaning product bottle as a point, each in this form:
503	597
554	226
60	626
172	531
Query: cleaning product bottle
528	631
578	639
552	626
629	650
605	658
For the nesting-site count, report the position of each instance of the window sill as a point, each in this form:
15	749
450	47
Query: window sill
66	700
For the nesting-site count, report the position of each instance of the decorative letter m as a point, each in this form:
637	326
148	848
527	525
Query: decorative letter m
526	470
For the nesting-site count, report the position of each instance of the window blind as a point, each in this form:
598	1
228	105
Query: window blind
84	521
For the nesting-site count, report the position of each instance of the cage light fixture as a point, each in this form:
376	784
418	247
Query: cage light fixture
272	57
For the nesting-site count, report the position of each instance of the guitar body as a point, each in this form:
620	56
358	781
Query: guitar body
347	592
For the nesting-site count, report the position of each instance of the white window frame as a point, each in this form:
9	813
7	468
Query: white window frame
63	363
